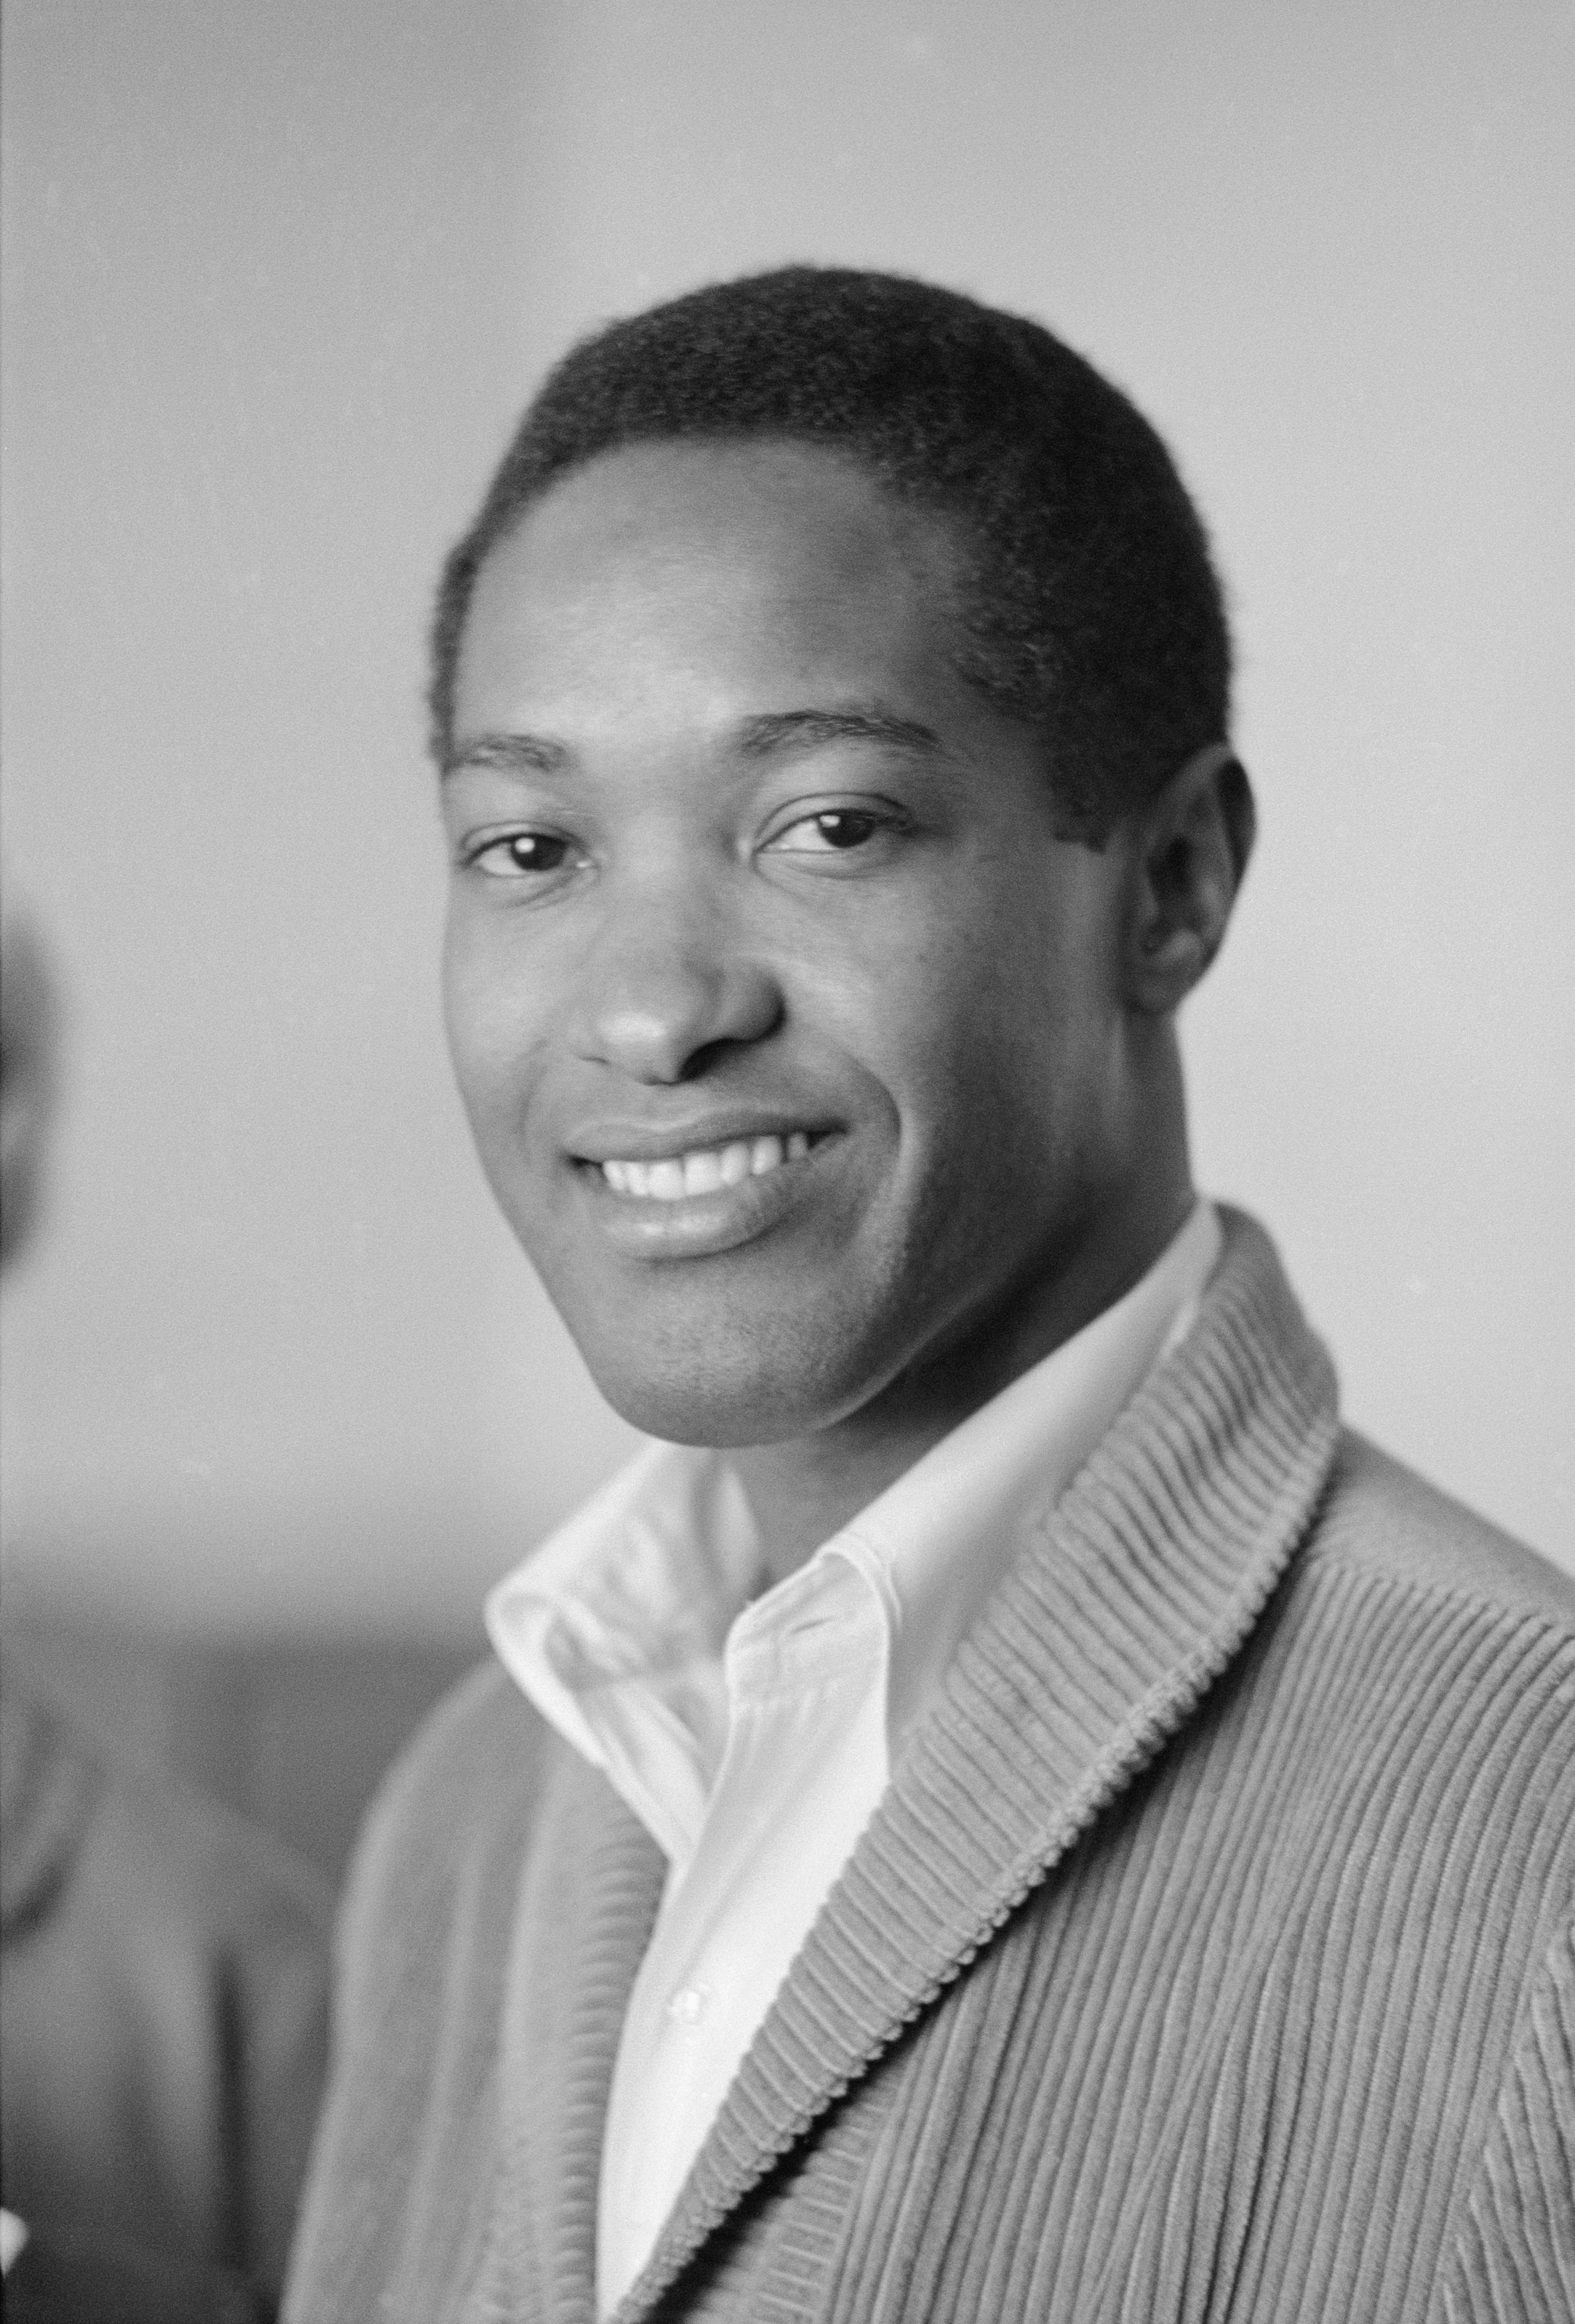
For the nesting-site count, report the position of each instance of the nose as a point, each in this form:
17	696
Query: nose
667	984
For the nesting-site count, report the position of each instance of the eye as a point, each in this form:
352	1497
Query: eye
516	854
830	831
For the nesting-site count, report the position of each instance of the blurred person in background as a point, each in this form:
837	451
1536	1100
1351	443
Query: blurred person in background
163	1967
1008	1811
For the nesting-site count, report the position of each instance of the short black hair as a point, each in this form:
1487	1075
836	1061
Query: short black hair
1090	606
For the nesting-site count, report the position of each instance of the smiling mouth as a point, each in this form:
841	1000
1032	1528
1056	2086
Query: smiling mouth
704	1169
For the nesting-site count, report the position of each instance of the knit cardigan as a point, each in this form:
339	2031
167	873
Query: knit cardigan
1211	1955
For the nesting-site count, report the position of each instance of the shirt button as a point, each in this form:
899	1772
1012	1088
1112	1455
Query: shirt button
687	2005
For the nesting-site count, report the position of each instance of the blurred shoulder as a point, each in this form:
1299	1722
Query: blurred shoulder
137	1846
193	1850
1381	1518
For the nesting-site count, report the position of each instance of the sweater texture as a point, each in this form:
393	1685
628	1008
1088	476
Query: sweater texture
1211	1955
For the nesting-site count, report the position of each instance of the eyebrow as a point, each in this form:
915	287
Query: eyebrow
807	729
532	753
759	738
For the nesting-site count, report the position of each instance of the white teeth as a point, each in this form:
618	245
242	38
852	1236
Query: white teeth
702	1172
706	1170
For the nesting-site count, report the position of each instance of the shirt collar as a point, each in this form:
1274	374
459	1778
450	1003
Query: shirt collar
643	1584
638	1591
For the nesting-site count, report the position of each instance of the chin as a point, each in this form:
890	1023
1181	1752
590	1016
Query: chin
685	1410
726	1396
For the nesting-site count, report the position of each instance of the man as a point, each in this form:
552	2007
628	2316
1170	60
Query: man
1005	1811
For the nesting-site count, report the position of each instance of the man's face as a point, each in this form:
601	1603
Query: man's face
754	897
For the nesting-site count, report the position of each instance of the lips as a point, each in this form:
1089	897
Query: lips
693	1197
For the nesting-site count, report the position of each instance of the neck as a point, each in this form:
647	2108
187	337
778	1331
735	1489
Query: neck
802	1491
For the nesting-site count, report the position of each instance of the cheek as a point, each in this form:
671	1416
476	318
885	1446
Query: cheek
1001	1060
466	1018
491	1038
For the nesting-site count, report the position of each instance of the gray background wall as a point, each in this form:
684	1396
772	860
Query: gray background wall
276	282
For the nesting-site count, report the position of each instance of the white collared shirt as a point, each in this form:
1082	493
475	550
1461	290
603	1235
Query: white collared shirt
753	1734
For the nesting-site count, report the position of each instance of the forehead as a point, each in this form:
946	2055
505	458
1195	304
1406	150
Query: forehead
699	573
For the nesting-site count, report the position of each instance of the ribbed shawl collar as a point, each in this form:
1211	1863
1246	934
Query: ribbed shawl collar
1125	1604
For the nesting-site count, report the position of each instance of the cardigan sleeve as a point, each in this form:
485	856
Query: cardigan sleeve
1515	2259
402	2168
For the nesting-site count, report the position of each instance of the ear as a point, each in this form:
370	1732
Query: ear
1190	848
